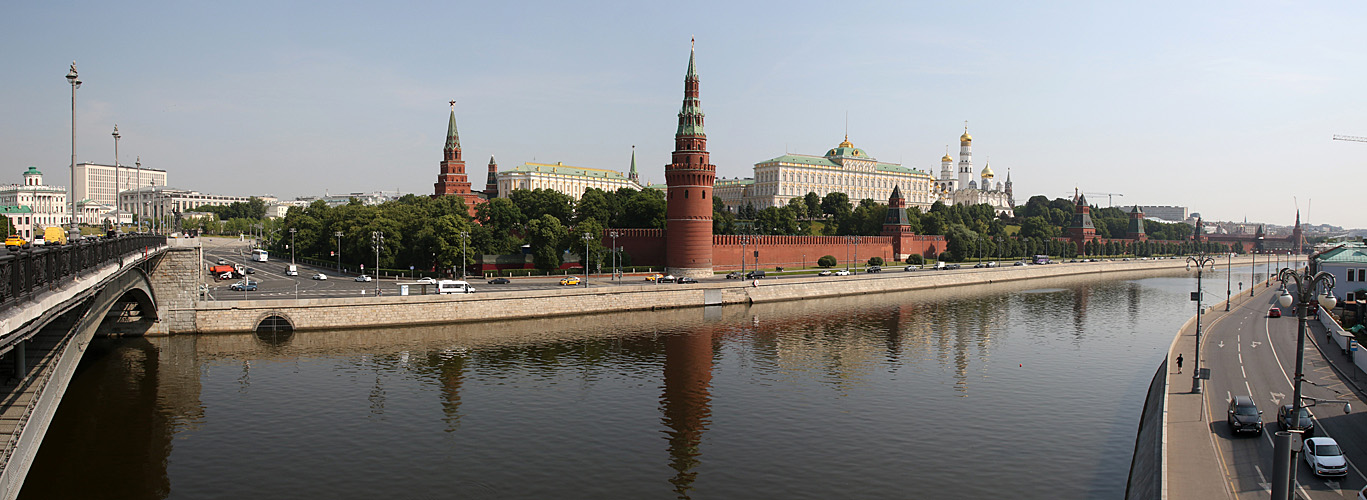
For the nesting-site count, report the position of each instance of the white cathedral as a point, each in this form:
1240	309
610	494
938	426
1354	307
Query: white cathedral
966	191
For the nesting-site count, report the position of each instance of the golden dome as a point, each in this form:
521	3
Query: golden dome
846	143
965	137
987	171
947	159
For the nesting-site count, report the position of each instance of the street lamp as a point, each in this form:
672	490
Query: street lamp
615	272
1201	262
463	235
292	230
1229	262
378	238
75	232
338	234
138	164
116	175
587	238
1253	272
1283	456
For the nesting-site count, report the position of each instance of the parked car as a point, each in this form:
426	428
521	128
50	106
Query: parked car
1325	457
686	279
874	269
1275	312
1304	422
570	280
363	278
496	281
247	286
1244	416
320	276
843	272
824	273
667	279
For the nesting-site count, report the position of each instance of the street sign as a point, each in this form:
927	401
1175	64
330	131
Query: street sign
1203	374
1195	296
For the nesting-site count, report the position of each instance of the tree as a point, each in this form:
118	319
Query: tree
723	221
836	205
777	221
645	209
6	228
594	205
1038	227
547	237
826	261
916	259
538	202
813	202
798	206
875	261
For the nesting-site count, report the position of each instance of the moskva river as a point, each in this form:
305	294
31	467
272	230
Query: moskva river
1021	390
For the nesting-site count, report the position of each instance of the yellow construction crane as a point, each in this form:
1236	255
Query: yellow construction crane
1349	138
1108	197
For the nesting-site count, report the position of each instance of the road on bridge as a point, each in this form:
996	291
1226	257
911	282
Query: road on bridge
1249	353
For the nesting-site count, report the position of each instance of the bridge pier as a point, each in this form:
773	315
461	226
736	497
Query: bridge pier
20	353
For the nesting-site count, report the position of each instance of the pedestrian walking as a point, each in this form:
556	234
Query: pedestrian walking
1179	362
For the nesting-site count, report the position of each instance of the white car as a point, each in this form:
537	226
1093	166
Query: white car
363	278
824	273
842	272
428	281
1325	457
320	276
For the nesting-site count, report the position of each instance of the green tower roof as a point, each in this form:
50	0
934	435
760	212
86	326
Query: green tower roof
452	136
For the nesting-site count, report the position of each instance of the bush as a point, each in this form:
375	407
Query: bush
916	259
875	261
826	261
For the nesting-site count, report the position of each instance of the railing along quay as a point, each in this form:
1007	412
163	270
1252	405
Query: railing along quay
28	272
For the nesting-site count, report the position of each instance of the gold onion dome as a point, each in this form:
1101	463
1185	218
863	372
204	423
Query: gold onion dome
965	137
947	158
846	143
987	171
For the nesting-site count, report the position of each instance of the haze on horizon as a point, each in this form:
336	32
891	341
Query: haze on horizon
1227	108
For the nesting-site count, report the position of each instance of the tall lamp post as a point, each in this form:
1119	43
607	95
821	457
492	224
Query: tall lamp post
292	230
116	175
74	232
587	238
615	272
1283	455
338	234
1229	264
1252	273
1201	262
463	235
378	238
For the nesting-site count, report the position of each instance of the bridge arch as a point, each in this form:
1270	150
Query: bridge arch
127	305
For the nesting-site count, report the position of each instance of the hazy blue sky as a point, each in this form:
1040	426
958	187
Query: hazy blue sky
1227	108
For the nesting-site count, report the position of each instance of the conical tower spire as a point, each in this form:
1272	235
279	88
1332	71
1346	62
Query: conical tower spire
631	176
452	135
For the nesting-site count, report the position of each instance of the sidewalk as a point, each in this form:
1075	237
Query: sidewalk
1192	467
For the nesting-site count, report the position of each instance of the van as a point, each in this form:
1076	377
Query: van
54	235
454	286
940	265
292	271
756	274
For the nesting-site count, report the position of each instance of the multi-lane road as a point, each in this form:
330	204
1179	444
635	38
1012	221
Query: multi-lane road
1252	354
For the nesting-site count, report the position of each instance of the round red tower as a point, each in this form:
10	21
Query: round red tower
690	175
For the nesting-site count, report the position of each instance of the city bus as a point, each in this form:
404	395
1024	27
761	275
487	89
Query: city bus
1041	260
259	255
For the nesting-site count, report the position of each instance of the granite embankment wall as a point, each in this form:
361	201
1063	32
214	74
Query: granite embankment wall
370	312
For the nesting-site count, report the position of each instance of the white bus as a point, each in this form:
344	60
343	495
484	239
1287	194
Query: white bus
259	255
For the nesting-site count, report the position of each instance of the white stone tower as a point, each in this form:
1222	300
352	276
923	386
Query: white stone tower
965	158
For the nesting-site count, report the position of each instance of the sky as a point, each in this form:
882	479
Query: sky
1225	107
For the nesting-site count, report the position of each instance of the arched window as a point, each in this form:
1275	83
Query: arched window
685	194
704	195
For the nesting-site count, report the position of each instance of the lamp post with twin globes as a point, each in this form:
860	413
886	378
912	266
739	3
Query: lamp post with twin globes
1284	451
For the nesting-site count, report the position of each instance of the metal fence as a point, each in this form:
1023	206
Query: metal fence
26	272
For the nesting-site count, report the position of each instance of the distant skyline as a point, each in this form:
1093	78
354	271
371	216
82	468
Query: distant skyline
1226	108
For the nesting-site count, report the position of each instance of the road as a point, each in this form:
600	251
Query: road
1250	353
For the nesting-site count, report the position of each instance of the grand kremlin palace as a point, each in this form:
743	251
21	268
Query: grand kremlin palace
844	169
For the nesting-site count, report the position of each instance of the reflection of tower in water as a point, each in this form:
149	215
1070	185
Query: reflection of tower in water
451	374
686	402
1080	295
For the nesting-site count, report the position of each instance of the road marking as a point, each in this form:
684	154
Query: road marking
1262	479
1241	358
1249	387
1255	346
1277	398
1241	371
1221	344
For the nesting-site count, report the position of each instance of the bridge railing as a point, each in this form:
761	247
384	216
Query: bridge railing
26	272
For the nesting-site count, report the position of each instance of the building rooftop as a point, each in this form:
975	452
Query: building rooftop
559	168
10	209
1349	253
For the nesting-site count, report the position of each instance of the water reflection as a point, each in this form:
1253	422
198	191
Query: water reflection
685	402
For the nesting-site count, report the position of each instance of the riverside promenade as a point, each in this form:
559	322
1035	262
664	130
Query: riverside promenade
386	311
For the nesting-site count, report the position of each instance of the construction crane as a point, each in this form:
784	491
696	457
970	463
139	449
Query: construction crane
1349	138
1108	197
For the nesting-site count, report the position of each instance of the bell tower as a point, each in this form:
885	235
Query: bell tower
689	177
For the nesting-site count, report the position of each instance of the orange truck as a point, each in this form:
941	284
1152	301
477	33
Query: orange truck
222	270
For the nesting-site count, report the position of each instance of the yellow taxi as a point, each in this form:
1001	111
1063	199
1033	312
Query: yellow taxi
15	242
654	277
569	281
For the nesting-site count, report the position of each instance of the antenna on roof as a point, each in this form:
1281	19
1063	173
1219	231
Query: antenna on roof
847	125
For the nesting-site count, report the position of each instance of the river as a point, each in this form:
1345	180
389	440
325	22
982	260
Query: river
1023	390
